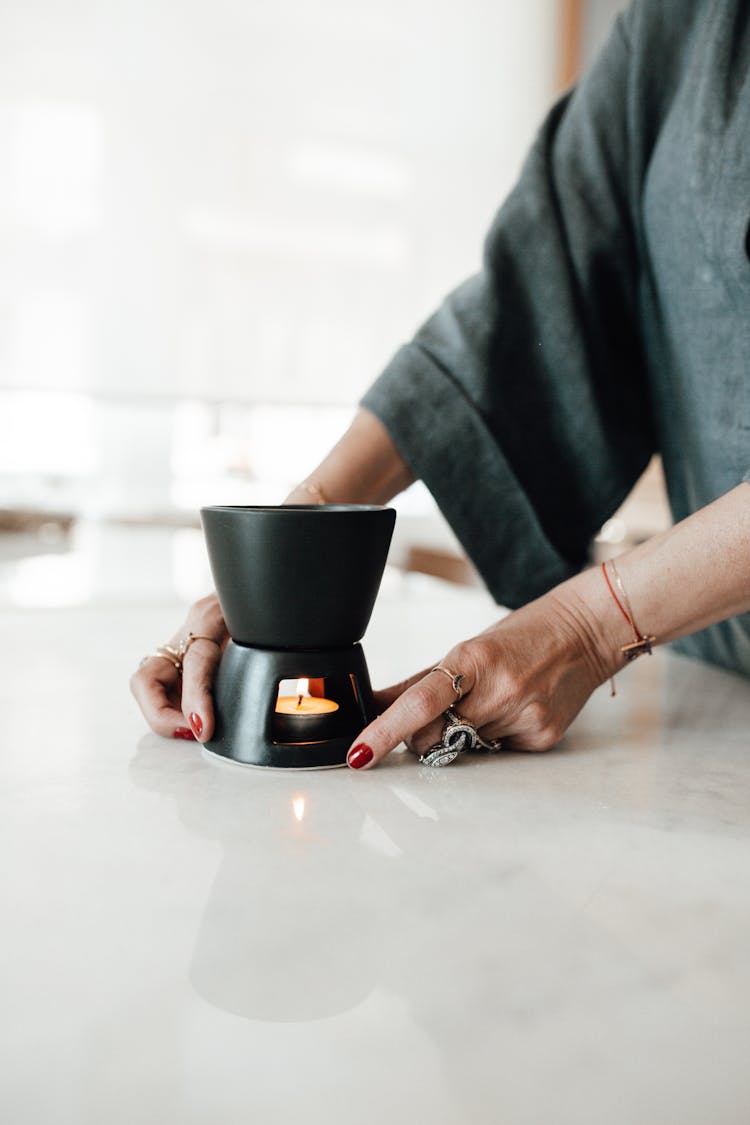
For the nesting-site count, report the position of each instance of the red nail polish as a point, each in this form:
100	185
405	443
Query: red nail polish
196	722
359	756
184	732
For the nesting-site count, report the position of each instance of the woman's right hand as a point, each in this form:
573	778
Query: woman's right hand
181	706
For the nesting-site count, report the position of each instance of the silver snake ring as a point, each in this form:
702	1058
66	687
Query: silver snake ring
459	737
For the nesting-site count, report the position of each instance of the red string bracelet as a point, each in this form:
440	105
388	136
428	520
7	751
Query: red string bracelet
642	642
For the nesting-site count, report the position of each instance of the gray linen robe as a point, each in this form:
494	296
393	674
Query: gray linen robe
611	318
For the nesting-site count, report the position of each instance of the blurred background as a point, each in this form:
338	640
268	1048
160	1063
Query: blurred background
217	223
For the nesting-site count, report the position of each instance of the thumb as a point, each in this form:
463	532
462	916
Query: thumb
198	671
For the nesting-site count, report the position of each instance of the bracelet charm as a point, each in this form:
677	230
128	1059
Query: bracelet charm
637	648
642	642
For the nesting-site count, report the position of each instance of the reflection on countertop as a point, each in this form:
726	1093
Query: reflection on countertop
524	938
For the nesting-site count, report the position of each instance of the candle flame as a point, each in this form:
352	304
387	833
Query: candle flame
298	805
303	687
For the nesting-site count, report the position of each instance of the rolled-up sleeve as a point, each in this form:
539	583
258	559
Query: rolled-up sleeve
523	402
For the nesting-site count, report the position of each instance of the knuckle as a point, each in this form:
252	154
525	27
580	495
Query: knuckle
537	714
208	601
514	683
415	709
206	612
548	736
477	660
135	685
475	657
139	681
424	701
423	704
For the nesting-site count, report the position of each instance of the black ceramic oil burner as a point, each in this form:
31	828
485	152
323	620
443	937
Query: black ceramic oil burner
296	586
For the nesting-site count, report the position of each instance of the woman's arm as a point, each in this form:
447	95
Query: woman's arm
693	575
527	677
364	467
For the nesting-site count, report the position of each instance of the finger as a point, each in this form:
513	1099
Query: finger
205	616
424	739
421	703
386	696
432	735
155	687
428	737
198	671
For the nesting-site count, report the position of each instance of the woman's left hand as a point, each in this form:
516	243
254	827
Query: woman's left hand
524	679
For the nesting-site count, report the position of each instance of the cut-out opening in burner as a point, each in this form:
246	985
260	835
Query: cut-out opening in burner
313	709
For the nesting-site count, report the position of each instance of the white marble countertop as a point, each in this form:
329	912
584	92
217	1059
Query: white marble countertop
556	938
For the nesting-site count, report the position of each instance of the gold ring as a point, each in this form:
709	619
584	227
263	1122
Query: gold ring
175	654
184	644
454	677
166	652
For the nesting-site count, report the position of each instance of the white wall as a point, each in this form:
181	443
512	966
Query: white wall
252	200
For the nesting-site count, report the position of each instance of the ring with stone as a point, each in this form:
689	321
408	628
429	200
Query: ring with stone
454	677
459	737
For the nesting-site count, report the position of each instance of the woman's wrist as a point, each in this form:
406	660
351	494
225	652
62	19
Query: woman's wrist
584	602
364	467
683	580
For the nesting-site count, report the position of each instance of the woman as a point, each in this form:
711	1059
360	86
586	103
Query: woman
611	319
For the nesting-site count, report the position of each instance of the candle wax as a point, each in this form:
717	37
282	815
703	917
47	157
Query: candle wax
307	705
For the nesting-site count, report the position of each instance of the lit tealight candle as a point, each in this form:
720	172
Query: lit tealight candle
304	704
304	715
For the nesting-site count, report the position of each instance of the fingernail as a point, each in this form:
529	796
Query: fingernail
359	756
184	732
196	722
